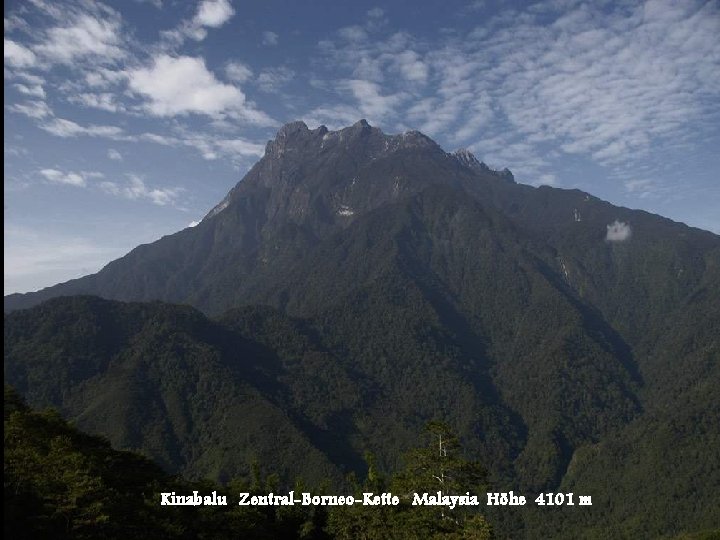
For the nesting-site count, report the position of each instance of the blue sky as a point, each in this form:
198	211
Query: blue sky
128	120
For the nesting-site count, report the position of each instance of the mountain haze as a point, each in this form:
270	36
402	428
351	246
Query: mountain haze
354	285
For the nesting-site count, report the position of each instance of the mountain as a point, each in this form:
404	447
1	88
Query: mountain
572	344
309	185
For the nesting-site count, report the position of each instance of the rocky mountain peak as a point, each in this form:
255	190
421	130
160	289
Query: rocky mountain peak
507	175
292	134
467	158
292	128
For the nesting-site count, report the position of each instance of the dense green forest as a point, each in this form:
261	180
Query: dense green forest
61	483
258	391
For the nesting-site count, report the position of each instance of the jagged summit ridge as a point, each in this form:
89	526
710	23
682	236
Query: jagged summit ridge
298	133
468	159
296	150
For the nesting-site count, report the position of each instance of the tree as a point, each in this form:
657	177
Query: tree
436	466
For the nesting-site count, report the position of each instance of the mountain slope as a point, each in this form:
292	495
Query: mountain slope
400	284
162	379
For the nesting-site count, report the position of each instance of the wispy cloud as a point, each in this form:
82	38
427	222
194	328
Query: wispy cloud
238	72
105	101
608	83
33	109
35	90
135	188
62	127
270	38
87	32
273	79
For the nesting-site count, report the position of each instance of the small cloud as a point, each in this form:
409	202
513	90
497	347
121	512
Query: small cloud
214	13
618	231
270	38
180	85
375	13
114	155
59	177
193	223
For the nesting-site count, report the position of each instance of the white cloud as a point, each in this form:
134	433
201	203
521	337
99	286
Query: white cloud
270	38
114	154
67	128
214	13
68	178
618	231
210	14
136	188
238	72
17	55
193	223
84	35
183	85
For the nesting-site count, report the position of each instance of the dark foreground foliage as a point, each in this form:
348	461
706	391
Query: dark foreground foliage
61	483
